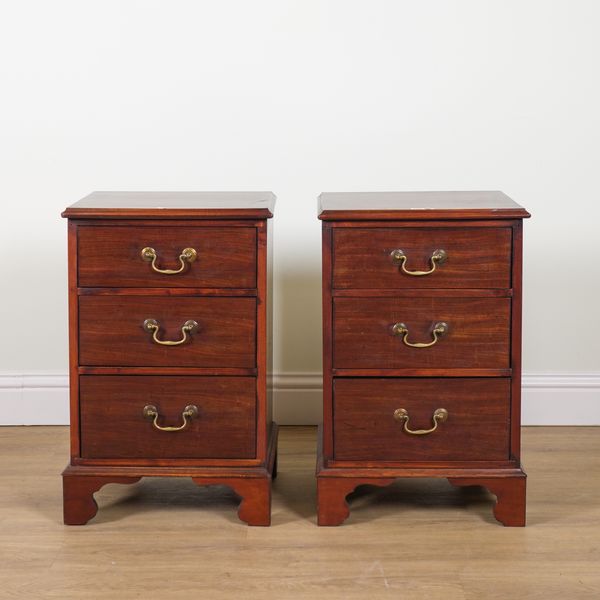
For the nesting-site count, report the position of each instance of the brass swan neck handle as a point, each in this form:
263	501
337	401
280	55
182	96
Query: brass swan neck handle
437	258
439	416
439	329
151	412
153	326
187	256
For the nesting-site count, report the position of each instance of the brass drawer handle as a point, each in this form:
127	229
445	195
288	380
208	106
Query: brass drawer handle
439	416
188	255
437	258
153	326
189	412
439	329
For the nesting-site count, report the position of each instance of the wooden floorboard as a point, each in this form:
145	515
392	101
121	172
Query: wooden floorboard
168	539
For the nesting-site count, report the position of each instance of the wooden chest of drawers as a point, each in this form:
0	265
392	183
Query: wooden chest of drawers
421	344
170	344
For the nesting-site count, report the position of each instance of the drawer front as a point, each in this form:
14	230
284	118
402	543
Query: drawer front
476	429
112	257
112	333
478	257
478	333
113	424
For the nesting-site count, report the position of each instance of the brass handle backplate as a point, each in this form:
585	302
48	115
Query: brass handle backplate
187	256
153	326
400	258
439	416
439	329
151	412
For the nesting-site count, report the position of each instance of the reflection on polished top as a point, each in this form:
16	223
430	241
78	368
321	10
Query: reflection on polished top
173	204
418	205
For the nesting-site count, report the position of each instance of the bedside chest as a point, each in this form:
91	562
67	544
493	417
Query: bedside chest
421	344
170	344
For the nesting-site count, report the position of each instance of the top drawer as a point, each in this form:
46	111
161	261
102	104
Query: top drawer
225	257
475	257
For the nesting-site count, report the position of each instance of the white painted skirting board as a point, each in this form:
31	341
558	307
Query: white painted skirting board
574	399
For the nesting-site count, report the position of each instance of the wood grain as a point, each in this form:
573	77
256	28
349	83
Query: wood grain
510	495
477	428
113	426
395	206
224	365
173	205
370	370
111	256
415	539
72	234
516	334
79	505
478	336
327	318
477	258
111	331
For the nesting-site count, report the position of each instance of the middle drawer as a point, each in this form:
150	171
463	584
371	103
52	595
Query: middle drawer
132	330
475	333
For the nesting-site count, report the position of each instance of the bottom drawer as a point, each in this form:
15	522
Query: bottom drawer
476	428
113	424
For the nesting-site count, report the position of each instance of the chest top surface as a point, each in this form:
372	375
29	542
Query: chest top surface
173	205
340	206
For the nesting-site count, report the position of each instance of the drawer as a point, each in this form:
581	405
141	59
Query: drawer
113	424
476	257
112	256
476	429
477	337
112	332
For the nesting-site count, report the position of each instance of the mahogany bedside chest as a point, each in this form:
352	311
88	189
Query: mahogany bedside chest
170	344
421	344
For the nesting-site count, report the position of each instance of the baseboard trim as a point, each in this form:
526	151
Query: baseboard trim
548	399
34	399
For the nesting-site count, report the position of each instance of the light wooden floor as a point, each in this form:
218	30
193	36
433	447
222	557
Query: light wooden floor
164	539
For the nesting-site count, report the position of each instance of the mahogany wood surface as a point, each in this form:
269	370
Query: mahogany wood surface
332	507
327	275
476	257
334	484
516	333
473	370
111	257
112	423
111	331
398	206
255	494
510	495
73	340
420	372
263	423
152	291
416	293
478	334
476	428
173	205
447	222
79	505
252	484
264	338
222	368
225	371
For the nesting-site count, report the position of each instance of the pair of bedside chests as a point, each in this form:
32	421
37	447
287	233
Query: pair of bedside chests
170	310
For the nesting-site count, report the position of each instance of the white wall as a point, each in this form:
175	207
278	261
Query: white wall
301	97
